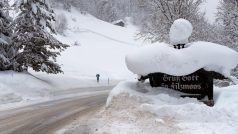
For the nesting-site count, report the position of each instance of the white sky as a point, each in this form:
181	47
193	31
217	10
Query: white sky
209	7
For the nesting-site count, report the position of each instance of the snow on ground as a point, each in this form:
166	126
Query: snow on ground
136	108
16	86
102	49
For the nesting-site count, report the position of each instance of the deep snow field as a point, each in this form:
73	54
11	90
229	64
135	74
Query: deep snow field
101	50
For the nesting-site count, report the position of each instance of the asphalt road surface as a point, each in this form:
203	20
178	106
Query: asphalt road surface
48	117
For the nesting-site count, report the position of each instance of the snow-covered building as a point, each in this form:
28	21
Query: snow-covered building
119	23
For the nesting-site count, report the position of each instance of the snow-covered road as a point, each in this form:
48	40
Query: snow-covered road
48	117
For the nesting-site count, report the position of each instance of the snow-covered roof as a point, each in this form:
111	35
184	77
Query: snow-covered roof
118	21
160	57
180	31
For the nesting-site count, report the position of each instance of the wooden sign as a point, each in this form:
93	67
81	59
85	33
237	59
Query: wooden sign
199	83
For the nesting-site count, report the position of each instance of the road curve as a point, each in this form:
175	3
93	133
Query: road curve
48	117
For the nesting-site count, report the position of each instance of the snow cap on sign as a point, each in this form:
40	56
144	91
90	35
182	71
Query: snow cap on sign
180	31
161	58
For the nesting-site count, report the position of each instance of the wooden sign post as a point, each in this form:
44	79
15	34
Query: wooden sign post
198	84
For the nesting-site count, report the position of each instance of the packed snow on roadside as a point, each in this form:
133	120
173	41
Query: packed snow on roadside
136	108
22	84
18	87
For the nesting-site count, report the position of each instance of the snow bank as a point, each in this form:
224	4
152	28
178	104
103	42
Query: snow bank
3	41
147	110
160	57
180	31
15	87
20	89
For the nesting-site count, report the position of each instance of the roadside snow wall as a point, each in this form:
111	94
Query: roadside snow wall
16	87
137	108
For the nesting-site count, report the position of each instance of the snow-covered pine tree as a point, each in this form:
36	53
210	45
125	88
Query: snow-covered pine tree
5	20
228	16
5	34
37	48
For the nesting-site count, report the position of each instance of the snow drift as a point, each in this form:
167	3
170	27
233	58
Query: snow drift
160	57
16	87
101	48
137	108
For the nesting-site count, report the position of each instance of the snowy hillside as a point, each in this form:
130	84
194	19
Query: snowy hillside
101	50
101	47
